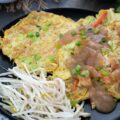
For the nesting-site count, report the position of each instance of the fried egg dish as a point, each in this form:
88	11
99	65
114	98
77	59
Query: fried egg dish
86	53
32	40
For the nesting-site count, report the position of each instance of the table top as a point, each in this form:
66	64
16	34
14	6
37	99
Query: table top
93	5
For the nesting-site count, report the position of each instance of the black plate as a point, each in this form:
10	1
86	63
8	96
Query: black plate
75	14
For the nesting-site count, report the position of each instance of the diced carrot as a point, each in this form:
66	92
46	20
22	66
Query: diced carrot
75	84
107	79
103	14
85	81
114	64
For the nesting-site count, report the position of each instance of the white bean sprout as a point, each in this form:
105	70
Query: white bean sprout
33	97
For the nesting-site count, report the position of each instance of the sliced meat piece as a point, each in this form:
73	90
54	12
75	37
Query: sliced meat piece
67	38
93	72
114	64
117	28
102	100
103	30
115	75
86	82
85	55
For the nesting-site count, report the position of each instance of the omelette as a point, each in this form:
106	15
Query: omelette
84	53
32	40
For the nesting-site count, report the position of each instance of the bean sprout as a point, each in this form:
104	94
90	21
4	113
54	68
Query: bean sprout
33	97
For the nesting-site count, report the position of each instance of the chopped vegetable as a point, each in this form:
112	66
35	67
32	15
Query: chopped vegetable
60	35
76	70
105	51
46	26
37	57
105	72
58	46
73	32
85	73
106	79
39	27
112	45
75	84
33	66
83	34
37	34
74	102
102	15
52	58
99	68
33	35
88	20
78	43
30	34
103	40
119	60
28	60
95	30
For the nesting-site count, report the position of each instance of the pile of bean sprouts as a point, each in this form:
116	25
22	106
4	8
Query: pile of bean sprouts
32	97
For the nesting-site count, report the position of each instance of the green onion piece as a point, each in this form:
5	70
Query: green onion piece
85	73
52	58
78	43
76	70
73	33
47	26
72	53
105	73
103	40
28	60
33	35
60	35
49	23
112	46
37	34
58	46
96	79
33	66
82	34
74	103
119	60
95	30
30	35
99	68
105	51
39	27
37	57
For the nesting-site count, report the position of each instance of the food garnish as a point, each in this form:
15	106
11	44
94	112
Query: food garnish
102	15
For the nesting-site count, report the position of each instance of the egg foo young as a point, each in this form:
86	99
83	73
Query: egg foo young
84	53
32	40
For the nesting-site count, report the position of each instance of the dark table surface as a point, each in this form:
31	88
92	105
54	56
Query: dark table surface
93	5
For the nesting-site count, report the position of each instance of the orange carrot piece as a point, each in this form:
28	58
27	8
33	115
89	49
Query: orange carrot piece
103	14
